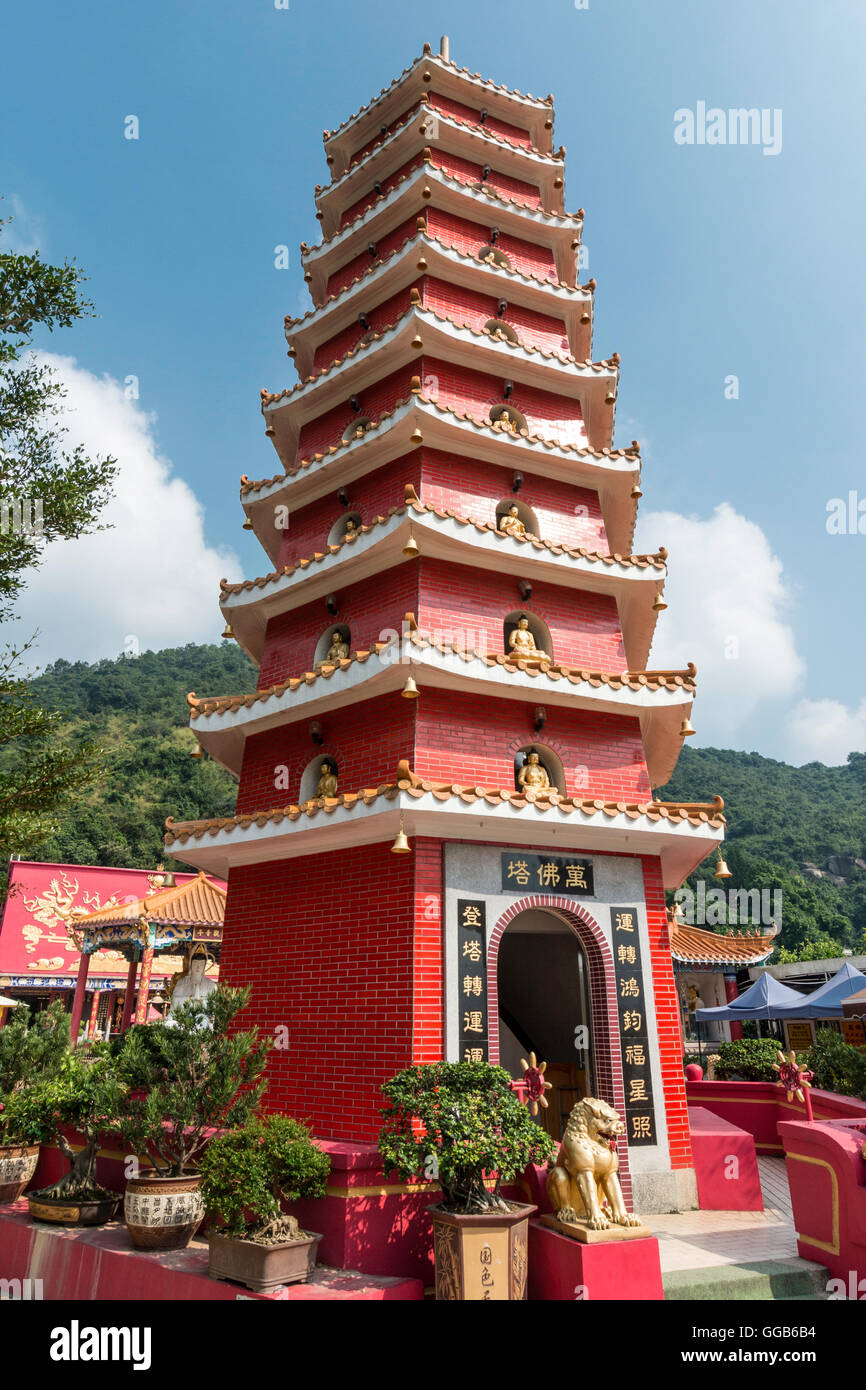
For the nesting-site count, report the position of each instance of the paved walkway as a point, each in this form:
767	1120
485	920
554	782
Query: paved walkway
701	1239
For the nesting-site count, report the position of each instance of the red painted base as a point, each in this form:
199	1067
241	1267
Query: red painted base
827	1177
564	1270
726	1164
94	1264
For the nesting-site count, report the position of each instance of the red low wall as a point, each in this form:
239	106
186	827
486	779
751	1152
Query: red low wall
759	1107
827	1177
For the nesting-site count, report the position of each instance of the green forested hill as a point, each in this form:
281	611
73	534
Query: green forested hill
780	818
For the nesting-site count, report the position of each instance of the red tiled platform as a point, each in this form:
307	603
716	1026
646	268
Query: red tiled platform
726	1164
98	1263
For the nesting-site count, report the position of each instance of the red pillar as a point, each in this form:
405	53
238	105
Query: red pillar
144	985
78	997
94	1010
129	997
731	994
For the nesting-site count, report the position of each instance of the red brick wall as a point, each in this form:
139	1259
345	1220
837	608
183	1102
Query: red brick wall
367	609
584	626
468	172
472	116
428	994
372	495
551	415
379	317
366	740
465	306
318	435
326	942
667	1017
474	738
386	184
361	262
469	237
566	515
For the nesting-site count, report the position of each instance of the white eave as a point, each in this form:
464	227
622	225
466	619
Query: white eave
524	112
452	137
612	475
443	538
401	268
460	347
680	845
660	709
555	231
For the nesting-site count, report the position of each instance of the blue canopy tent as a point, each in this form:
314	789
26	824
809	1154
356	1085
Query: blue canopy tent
826	1001
765	999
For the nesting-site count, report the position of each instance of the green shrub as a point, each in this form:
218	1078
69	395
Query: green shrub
749	1059
30	1050
454	1122
248	1171
837	1065
87	1097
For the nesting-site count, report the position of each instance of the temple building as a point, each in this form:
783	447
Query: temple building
446	842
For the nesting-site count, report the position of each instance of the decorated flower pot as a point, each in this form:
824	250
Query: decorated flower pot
481	1256
17	1166
163	1213
263	1268
74	1211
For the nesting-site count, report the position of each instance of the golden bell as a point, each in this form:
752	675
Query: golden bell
636	492
401	844
410	549
610	398
416	343
248	525
197	752
722	870
270	431
659	606
170	881
416	437
410	690
227	632
584	318
421	264
686	729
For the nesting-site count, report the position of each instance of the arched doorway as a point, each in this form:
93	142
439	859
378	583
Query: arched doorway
545	1006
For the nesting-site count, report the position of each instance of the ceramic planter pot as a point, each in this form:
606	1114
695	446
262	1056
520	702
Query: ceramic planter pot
263	1268
69	1211
481	1256
163	1213
17	1166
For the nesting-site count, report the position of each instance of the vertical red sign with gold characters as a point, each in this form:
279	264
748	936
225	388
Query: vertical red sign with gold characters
633	1028
472	979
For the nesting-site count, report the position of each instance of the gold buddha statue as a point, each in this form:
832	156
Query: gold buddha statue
327	783
351	526
533	777
339	648
510	523
521	643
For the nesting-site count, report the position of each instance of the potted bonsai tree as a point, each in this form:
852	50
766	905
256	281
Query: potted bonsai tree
246	1174
461	1124
188	1080
29	1050
85	1097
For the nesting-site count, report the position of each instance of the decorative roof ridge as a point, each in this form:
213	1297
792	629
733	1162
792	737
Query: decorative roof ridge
642	561
146	906
440	173
376	335
451	250
445	62
553	670
633	452
704	813
423	104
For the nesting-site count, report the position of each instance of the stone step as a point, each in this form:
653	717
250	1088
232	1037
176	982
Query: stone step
779	1280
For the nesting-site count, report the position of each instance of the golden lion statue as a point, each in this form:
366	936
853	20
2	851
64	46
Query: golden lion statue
585	1179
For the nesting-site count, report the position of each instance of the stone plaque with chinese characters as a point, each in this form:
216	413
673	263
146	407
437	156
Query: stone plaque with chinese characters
546	873
472	979
634	1031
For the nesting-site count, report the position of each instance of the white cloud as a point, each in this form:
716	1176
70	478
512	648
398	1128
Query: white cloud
24	233
825	731
153	576
728	612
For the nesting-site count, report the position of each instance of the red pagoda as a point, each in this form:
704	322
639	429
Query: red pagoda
446	843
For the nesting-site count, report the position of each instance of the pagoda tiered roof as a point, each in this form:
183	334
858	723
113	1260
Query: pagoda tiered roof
679	833
696	947
660	700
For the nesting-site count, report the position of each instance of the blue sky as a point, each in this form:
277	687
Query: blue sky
710	261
